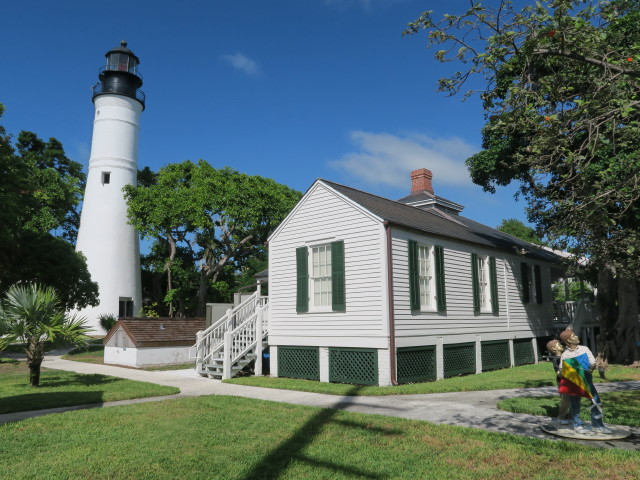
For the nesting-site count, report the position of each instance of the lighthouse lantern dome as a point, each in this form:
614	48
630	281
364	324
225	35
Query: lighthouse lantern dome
122	59
120	75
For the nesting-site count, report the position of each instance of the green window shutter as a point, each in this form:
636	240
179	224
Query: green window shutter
493	275
414	278
474	283
338	302
526	288
441	294
302	272
538	279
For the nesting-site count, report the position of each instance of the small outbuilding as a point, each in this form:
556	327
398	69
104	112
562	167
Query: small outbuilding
140	342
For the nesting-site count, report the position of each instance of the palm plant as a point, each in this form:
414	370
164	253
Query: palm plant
32	314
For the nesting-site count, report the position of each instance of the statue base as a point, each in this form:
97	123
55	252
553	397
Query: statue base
566	431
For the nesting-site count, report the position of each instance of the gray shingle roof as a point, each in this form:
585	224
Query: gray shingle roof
428	221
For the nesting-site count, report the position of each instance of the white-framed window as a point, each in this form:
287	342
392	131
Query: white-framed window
426	276
485	284
320	277
484	290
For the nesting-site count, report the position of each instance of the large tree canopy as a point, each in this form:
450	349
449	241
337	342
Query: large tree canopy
515	227
560	84
40	192
221	216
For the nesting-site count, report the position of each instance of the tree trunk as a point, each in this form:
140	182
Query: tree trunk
606	304
208	273
35	355
203	288
34	373
172	256
626	328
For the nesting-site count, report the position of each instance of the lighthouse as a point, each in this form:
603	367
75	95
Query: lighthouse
109	243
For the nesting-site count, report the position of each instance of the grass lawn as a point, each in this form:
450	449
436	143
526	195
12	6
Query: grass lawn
61	389
235	438
179	366
620	408
525	376
91	354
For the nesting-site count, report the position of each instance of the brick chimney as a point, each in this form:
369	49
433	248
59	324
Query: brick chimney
421	181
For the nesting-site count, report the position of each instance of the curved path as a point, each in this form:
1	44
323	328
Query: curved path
467	409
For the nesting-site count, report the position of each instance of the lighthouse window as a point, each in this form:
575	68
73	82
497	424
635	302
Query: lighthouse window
125	307
106	177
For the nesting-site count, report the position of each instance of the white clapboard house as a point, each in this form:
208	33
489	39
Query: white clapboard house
367	290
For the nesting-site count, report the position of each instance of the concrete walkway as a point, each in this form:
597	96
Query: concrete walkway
468	409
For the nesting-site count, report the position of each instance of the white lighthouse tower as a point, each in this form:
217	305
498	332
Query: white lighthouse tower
111	245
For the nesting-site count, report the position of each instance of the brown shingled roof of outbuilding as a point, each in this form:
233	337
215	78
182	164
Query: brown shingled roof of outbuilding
159	332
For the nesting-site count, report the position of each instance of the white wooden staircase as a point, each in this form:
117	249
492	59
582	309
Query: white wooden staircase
238	338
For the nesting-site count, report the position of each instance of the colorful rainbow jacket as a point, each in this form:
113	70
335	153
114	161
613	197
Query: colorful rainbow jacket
574	380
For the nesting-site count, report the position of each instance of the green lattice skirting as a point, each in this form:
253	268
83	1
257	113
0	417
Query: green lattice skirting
416	364
495	355
459	359
523	351
353	365
299	362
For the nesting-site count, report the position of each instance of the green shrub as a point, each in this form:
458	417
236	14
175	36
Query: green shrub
107	321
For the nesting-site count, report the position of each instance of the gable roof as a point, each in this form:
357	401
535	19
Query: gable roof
438	222
159	332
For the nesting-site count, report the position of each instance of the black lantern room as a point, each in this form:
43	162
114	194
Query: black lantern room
120	75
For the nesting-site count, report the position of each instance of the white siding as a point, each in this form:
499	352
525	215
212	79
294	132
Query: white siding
324	216
459	323
140	357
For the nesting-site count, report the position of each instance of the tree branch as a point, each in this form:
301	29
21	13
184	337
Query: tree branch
585	59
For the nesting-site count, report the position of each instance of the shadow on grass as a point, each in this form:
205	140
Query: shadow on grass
274	464
550	382
84	379
43	400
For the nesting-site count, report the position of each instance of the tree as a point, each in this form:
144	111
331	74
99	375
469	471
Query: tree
560	89
40	191
516	228
33	314
221	216
578	290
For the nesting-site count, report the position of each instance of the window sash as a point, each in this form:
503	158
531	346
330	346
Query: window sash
484	284
484	293
320	279
426	277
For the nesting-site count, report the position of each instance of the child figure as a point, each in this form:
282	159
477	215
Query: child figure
555	348
578	362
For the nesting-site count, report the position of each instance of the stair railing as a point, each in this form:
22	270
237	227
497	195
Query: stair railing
244	339
210	340
238	319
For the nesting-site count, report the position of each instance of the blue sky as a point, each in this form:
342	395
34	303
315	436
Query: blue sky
293	90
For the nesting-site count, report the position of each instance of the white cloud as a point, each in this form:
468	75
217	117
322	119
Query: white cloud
243	63
385	159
